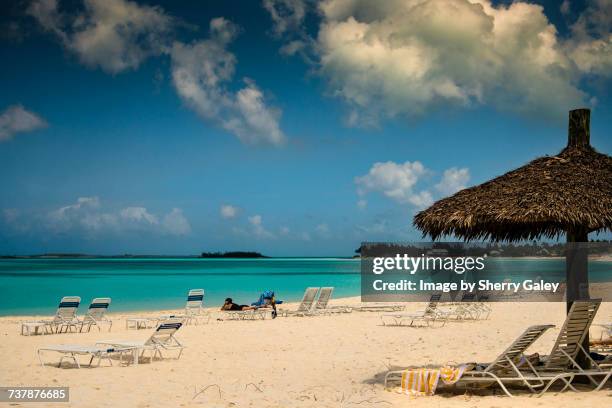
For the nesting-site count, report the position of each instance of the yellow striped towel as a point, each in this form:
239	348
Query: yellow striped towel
424	381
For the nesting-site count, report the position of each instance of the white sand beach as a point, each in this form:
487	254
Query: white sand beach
322	361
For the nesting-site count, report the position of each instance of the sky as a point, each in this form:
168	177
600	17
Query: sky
289	127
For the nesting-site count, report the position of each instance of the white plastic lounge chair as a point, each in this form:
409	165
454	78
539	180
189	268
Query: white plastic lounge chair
322	305
495	372
559	367
253	314
380	307
142	322
163	338
428	316
194	308
604	344
464	309
306	306
96	314
194	311
64	319
70	351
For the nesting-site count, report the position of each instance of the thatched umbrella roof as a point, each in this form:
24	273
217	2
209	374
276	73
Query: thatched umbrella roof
545	198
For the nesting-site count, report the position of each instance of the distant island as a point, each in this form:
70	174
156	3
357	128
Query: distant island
234	254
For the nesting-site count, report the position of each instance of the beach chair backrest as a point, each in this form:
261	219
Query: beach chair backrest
433	303
165	331
308	299
195	299
572	334
68	307
517	348
324	296
98	307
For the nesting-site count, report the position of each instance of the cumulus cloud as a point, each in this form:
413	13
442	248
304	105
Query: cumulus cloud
115	35
87	215
200	74
395	181
323	230
138	214
16	119
405	58
590	46
453	180
287	15
119	35
258	229
398	181
228	211
175	223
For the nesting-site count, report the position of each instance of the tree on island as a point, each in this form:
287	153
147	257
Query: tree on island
234	254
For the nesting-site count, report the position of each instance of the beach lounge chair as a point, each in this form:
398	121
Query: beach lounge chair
254	314
306	306
465	309
96	314
143	322
64	320
428	316
322	305
603	345
71	351
559	367
163	338
379	307
561	364
194	310
489	374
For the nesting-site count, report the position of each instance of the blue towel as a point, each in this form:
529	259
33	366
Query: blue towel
266	295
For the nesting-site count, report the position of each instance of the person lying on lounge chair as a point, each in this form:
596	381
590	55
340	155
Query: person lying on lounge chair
230	305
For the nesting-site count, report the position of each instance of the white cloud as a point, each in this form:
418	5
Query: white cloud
118	35
565	7
258	229
395	181
590	46
284	230
323	230
115	35
175	223
138	214
87	215
200	72
287	15
362	204
453	180
16	119
405	58
228	211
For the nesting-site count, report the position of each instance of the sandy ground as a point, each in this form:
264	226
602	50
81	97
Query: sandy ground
323	361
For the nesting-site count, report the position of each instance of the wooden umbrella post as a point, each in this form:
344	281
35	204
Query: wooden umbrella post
577	253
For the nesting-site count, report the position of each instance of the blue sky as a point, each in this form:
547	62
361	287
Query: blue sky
284	126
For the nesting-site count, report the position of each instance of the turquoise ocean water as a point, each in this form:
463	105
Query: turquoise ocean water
34	286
